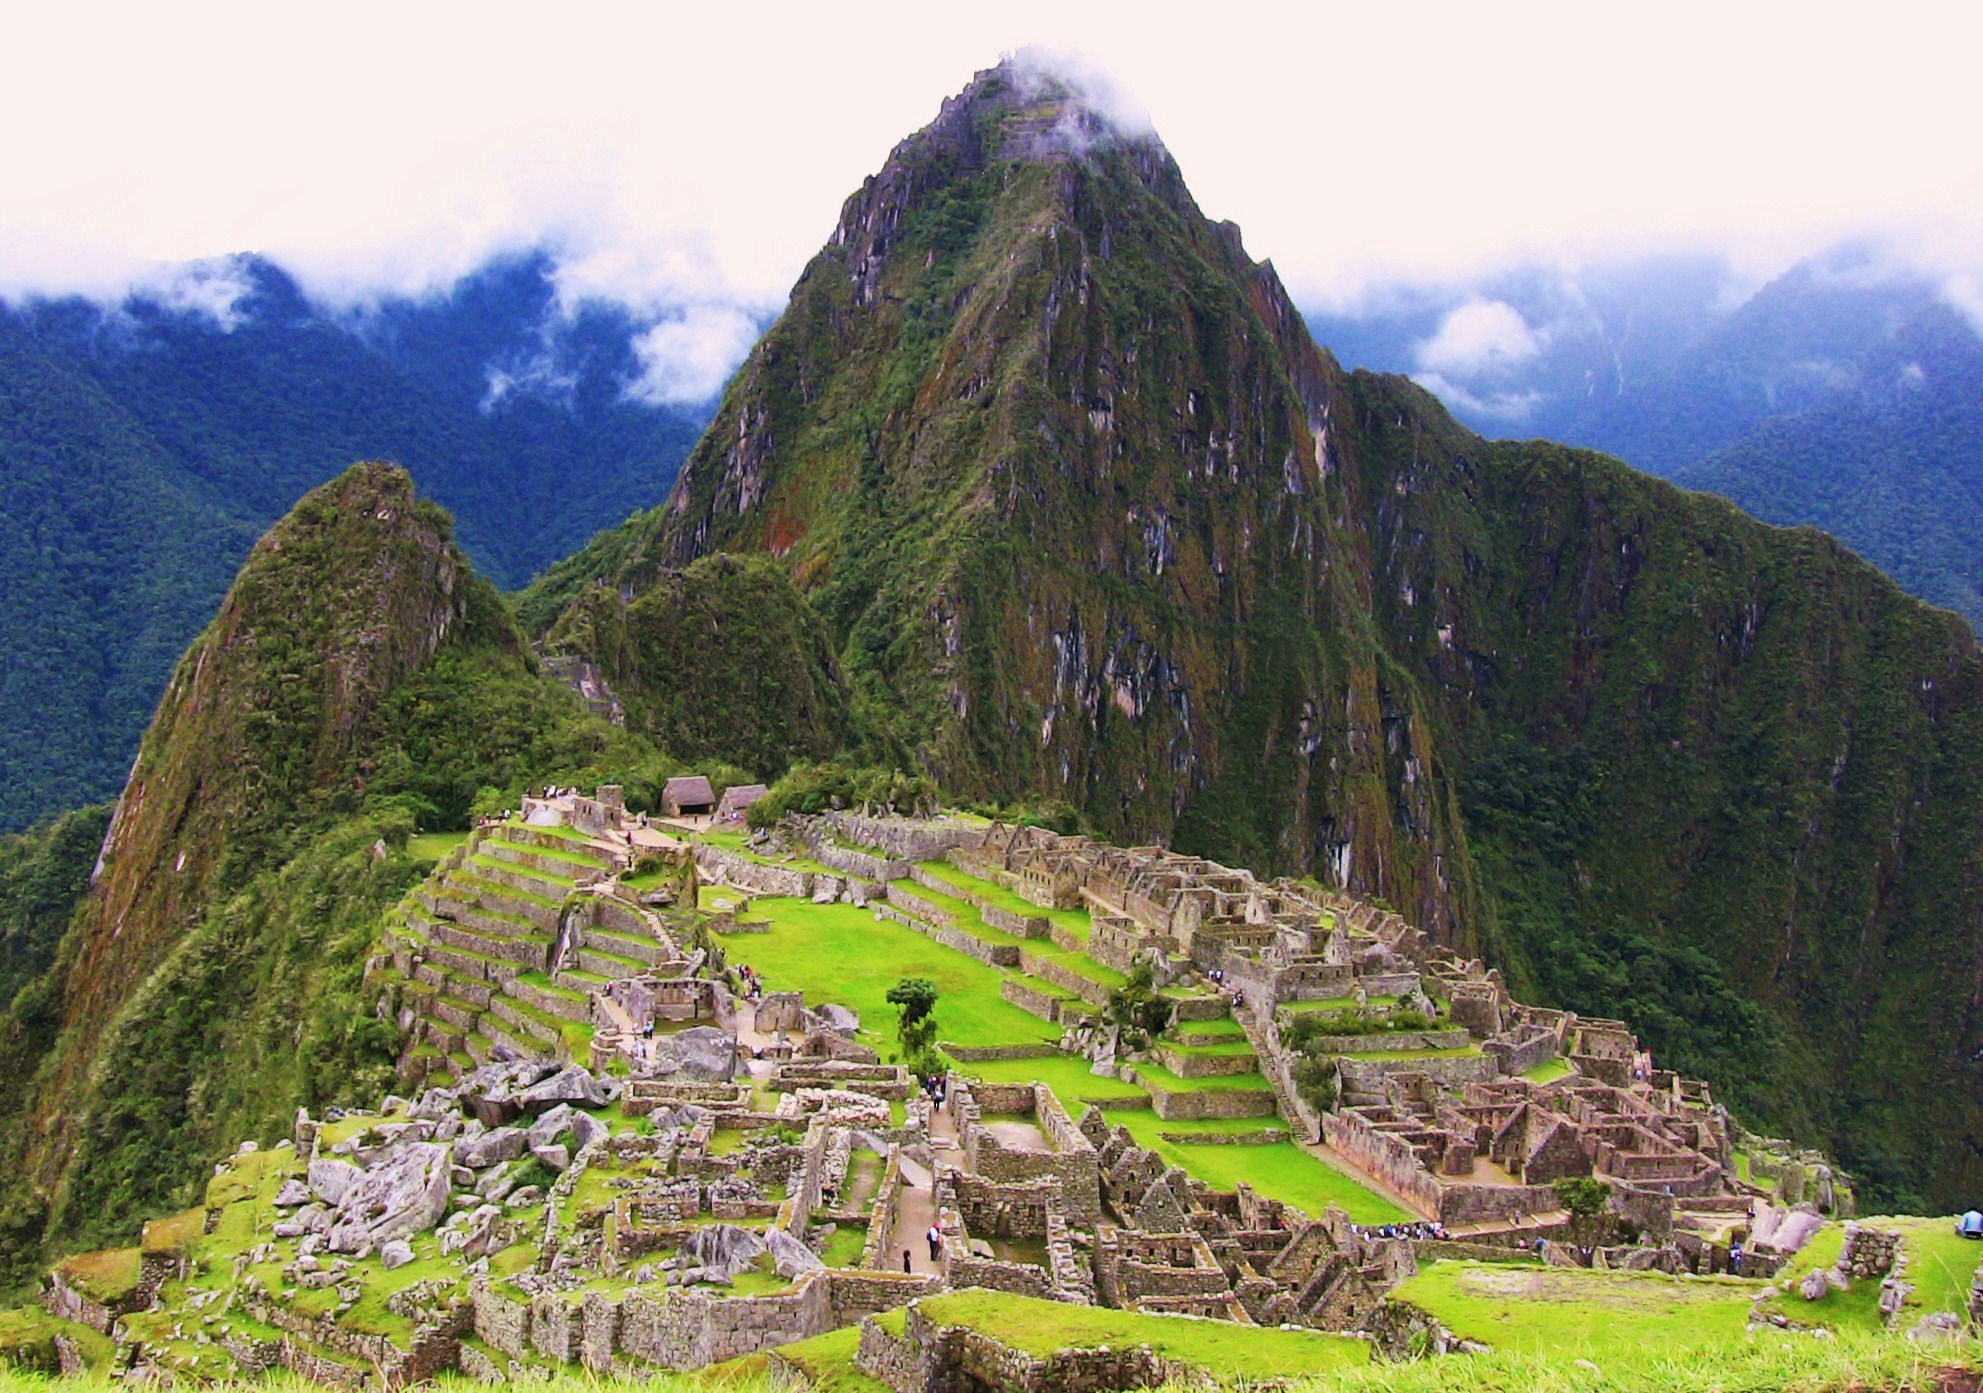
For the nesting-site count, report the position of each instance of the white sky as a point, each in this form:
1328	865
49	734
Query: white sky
703	152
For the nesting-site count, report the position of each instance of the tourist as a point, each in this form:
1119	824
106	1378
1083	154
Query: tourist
905	1261
935	1239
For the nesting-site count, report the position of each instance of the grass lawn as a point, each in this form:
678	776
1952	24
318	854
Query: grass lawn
837	953
1075	921
1067	1075
432	846
828	1363
1278	1170
1163	1079
1940	1263
1553	1069
1219	1347
734	841
1594	1315
1335	1003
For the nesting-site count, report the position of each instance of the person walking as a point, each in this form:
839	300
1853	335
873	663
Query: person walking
935	1241
905	1260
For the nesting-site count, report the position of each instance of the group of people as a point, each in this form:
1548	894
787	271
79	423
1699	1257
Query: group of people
753	984
935	1239
1425	1230
937	1088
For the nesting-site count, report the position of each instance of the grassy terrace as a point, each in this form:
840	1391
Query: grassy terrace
837	953
1550	1070
1075	921
734	842
967	918
1337	1003
1044	1327
1164	1079
585	860
432	846
496	863
1599	1315
1463	1052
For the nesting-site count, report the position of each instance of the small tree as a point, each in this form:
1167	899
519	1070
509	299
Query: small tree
1588	1200
914	999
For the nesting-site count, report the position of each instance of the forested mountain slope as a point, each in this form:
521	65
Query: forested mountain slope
359	681
1090	517
143	447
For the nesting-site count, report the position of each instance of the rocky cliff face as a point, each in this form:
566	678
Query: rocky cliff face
1091	517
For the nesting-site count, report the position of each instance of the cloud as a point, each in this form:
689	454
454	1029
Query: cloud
1102	106
1480	337
213	287
686	358
1501	406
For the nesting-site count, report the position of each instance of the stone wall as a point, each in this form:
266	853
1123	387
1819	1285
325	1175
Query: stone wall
903	839
1390	1160
754	876
1030	999
1196	1105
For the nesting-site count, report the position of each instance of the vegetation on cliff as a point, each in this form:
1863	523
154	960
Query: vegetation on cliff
359	683
1091	519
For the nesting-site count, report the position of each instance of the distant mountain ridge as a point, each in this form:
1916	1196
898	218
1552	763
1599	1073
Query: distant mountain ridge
1835	396
144	446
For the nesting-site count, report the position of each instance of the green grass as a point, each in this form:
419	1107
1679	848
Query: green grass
1555	1068
1335	1003
844	1248
1464	1052
1067	1075
1600	1316
1219	1347
837	953
1075	921
432	846
1940	1264
828	1363
1278	1170
1165	1081
734	842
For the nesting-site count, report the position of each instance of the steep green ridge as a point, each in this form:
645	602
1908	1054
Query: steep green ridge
1056	463
1091	518
1704	757
721	659
359	680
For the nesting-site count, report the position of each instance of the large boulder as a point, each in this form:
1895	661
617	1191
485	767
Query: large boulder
700	1054
839	1019
402	1194
330	1179
552	1125
793	1257
722	1248
491	1148
569	1085
585	1130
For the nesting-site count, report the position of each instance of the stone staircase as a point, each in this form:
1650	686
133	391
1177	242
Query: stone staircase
480	963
